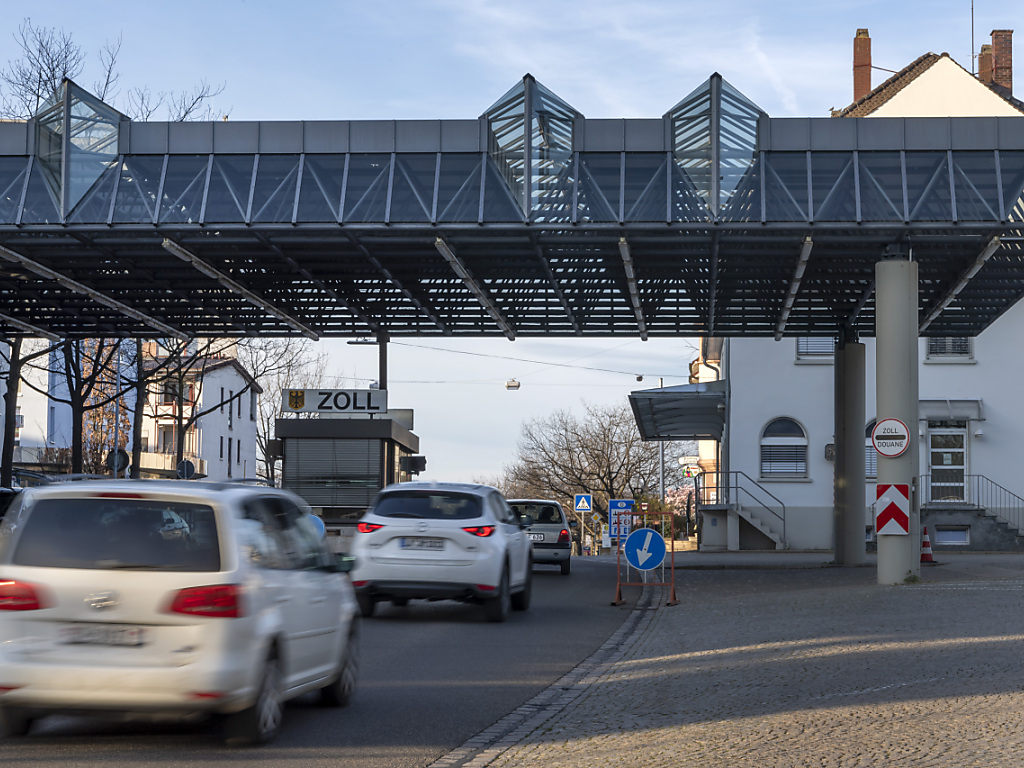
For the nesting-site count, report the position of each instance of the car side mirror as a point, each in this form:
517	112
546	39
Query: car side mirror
525	521
344	563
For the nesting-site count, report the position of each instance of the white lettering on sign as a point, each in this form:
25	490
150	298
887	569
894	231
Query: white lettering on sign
335	400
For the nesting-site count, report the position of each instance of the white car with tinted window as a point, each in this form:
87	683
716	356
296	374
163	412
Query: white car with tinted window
170	599
442	541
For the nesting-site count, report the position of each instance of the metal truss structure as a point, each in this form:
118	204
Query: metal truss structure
529	221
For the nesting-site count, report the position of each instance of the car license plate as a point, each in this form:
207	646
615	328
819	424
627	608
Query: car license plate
419	543
536	536
123	635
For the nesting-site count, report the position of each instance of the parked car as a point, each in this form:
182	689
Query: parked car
443	541
170	598
549	532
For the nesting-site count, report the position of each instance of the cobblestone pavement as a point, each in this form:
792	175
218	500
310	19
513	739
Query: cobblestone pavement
779	666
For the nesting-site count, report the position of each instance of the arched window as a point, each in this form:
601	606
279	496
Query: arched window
783	449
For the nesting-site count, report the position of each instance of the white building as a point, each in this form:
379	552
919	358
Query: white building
220	398
777	444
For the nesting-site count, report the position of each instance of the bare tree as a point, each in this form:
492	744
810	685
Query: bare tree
279	364
16	358
600	453
49	55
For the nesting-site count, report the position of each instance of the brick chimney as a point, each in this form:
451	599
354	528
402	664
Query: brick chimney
862	64
1002	58
985	64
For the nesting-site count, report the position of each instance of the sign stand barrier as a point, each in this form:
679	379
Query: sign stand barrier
671	583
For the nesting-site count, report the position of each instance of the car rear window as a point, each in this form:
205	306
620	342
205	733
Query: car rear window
428	505
540	512
118	533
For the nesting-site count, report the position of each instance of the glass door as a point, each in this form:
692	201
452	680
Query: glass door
947	461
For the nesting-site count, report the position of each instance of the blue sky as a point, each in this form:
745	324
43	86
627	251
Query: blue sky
403	59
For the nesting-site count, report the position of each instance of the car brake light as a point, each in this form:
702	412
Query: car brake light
486	587
216	600
360	583
19	596
563	536
480	530
118	495
368	527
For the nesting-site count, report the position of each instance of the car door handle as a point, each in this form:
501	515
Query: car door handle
282	598
317	599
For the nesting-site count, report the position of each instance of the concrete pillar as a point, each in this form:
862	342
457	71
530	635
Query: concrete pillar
850	504
896	395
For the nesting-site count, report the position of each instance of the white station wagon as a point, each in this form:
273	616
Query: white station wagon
169	599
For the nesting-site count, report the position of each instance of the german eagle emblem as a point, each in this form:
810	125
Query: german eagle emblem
296	399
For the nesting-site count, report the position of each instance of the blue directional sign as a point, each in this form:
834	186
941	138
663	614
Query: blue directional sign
644	549
583	502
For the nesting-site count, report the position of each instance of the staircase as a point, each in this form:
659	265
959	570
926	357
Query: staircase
993	514
738	492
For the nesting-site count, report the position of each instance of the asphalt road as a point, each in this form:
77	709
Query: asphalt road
432	676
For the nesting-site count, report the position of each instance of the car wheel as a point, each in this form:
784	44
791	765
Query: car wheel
338	692
521	599
366	605
566	565
260	722
497	608
15	721
399	602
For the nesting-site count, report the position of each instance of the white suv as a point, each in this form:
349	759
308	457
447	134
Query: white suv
443	541
170	598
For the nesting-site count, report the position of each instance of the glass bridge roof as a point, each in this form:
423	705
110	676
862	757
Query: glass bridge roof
532	220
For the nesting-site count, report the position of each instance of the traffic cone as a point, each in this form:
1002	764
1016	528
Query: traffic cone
926	548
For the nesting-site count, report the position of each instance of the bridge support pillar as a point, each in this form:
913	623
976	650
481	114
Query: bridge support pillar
850	503
896	395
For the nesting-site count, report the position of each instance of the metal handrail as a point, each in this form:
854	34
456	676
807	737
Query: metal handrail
978	492
733	490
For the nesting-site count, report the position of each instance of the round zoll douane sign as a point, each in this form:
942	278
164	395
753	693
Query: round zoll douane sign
890	438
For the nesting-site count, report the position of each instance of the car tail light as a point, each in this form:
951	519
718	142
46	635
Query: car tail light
361	583
20	596
368	527
563	536
480	530
217	600
486	587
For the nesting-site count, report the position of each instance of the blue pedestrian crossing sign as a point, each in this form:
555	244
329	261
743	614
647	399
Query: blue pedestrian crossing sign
644	549
584	502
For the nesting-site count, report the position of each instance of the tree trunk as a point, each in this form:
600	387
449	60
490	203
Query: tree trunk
10	413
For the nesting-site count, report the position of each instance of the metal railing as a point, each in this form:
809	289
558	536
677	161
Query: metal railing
734	489
975	492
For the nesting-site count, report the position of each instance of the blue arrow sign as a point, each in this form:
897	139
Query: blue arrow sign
644	549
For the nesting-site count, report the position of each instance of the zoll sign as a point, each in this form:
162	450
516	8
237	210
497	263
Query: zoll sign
891	438
335	401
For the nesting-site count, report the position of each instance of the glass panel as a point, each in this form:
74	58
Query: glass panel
320	194
950	346
745	203
184	185
815	346
413	195
974	180
737	139
947	441
832	182
687	204
40	204
783	428
50	142
95	206
599	186
881	186
947	477
367	193
228	198
93	130
786	186
691	138
942	459
458	191
928	186
138	188
1011	165
506	137
12	182
273	198
645	187
783	459
499	206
